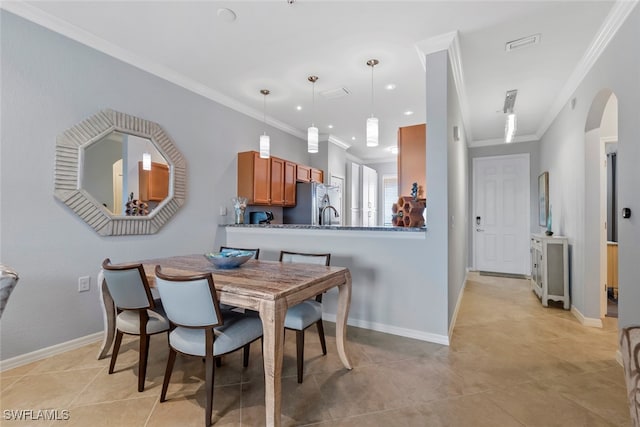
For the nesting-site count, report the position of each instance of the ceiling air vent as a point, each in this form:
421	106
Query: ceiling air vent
523	42
335	93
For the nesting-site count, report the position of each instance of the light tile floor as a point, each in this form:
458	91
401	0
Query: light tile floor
511	363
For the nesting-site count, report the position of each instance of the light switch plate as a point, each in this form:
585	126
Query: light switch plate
84	283
223	210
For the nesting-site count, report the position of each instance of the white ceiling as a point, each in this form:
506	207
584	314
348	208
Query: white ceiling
274	45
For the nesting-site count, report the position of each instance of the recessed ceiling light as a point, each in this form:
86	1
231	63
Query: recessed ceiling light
226	15
298	107
330	126
408	113
390	86
353	138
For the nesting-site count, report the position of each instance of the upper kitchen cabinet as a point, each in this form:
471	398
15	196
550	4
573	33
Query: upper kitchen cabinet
269	181
254	178
412	158
309	174
317	175
153	184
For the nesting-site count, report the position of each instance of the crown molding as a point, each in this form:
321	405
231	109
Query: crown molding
434	44
337	141
612	23
500	141
38	16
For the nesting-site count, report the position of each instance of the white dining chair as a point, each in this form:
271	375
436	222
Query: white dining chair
137	311
309	312
200	328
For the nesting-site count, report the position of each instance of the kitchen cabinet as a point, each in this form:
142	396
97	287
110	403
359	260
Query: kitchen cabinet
153	185
303	173
269	181
550	269
412	158
369	197
317	175
254	178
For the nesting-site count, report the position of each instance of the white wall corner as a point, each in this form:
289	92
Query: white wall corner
586	321
44	353
457	307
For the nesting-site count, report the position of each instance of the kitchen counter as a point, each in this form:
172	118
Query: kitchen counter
327	227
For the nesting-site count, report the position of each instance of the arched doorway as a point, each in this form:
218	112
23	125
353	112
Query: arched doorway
601	137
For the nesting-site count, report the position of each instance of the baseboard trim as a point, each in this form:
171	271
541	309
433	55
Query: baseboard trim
393	330
586	321
43	353
457	307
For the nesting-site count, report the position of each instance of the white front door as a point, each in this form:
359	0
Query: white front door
501	214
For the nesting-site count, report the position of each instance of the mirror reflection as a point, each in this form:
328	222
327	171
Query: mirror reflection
124	173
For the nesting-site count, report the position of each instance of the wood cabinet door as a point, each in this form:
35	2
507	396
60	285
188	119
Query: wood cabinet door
289	184
317	175
153	185
412	159
261	180
303	173
277	181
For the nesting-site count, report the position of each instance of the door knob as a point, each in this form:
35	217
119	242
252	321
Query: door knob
479	229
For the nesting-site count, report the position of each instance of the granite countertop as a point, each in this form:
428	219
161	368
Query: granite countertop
328	227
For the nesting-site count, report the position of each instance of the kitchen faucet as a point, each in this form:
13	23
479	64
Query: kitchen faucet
336	214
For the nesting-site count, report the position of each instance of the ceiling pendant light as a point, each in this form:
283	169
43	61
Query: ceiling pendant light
312	132
510	125
264	139
372	122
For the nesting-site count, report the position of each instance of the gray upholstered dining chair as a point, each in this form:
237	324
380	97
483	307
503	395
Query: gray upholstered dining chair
199	328
137	311
630	350
302	315
8	281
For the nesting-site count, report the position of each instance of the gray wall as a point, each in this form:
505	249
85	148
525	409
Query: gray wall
458	185
531	148
564	154
50	83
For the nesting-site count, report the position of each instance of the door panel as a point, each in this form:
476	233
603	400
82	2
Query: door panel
501	201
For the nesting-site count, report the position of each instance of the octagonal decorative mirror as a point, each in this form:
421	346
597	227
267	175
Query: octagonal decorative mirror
121	174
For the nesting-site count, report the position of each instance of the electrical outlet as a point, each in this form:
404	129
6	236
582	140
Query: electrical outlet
223	210
84	283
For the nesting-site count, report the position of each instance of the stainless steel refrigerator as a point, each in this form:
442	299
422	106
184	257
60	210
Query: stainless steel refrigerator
316	204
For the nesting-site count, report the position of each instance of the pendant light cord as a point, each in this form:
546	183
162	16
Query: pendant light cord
372	91
313	102
264	112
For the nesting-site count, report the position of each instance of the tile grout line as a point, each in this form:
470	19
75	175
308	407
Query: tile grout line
85	387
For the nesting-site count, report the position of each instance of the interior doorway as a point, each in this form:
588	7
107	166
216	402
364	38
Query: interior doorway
601	219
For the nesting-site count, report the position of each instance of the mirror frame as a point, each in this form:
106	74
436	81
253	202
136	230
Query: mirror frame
67	173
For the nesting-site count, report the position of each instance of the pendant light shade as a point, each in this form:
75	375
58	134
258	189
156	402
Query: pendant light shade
312	139
312	131
265	141
372	132
372	122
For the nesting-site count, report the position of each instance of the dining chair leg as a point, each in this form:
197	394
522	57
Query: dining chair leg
218	361
167	373
300	353
142	362
114	352
323	343
245	355
210	371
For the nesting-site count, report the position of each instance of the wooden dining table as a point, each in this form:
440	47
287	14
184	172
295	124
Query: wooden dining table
268	287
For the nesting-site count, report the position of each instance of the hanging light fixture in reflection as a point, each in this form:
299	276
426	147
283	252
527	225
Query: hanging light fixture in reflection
312	132
372	122
146	161
265	142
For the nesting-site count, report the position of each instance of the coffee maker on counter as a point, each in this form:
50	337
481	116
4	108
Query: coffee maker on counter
260	217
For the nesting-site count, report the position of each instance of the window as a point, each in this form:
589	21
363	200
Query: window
389	196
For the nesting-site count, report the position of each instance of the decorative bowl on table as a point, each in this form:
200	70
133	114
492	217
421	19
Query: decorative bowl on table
229	258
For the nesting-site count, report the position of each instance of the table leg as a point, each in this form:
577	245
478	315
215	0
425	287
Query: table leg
272	315
108	317
344	301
